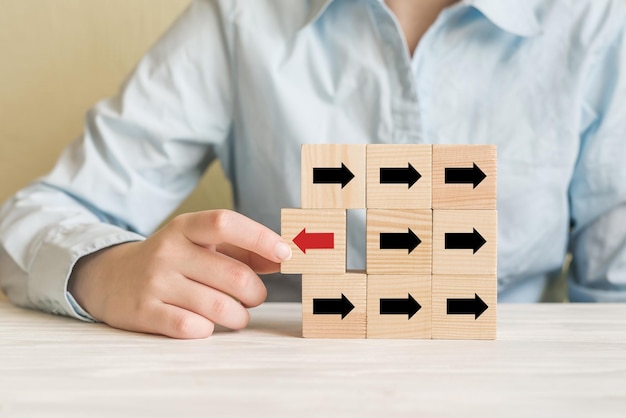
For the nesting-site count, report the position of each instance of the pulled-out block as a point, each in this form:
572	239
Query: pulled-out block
334	306
398	306
333	176
317	238
399	241
464	177
464	241
399	176
464	307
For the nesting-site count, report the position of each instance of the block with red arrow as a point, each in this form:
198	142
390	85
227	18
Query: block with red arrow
314	240
317	238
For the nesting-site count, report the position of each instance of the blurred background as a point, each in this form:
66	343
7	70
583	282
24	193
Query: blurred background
59	57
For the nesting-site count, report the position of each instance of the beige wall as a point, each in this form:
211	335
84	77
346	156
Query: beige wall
58	57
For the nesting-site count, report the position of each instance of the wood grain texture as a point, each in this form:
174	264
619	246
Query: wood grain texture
549	360
353	287
398	325
399	261
465	326
465	261
399	196
321	261
352	196
464	196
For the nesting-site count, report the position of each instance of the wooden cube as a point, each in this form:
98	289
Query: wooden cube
334	306
465	241
464	307
317	238
399	241
399	176
333	176
398	306
464	177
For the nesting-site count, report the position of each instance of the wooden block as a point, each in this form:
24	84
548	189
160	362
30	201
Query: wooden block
465	241
464	177
333	176
398	306
464	307
399	176
399	241
317	238
334	306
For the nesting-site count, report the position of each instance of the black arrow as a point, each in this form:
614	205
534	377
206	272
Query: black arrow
407	175
332	306
474	306
333	175
399	241
407	306
464	241
472	175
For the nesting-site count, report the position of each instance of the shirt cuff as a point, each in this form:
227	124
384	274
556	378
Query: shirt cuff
59	252
578	293
78	310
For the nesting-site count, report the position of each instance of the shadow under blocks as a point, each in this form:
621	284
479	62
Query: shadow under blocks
430	241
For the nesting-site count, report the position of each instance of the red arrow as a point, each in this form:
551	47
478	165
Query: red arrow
314	241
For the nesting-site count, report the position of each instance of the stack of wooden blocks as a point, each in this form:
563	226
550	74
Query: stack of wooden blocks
431	241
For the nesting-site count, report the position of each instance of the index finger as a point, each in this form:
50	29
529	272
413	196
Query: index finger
225	226
257	263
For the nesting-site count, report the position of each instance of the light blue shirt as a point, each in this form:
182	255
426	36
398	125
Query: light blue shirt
251	81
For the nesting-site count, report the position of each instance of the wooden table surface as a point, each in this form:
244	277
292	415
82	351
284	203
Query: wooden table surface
548	361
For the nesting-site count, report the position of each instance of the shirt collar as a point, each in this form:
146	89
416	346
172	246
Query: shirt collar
316	10
514	16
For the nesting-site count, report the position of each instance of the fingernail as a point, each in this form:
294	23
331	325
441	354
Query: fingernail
283	251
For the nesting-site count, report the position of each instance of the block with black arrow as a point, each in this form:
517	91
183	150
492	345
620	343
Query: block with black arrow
464	306
334	306
399	176
333	176
399	241
464	177
464	242
398	306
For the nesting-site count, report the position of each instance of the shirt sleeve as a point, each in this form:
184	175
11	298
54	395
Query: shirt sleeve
598	188
141	153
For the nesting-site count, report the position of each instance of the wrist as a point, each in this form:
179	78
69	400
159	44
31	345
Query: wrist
86	278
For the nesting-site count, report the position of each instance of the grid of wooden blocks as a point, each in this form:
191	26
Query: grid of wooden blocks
431	241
